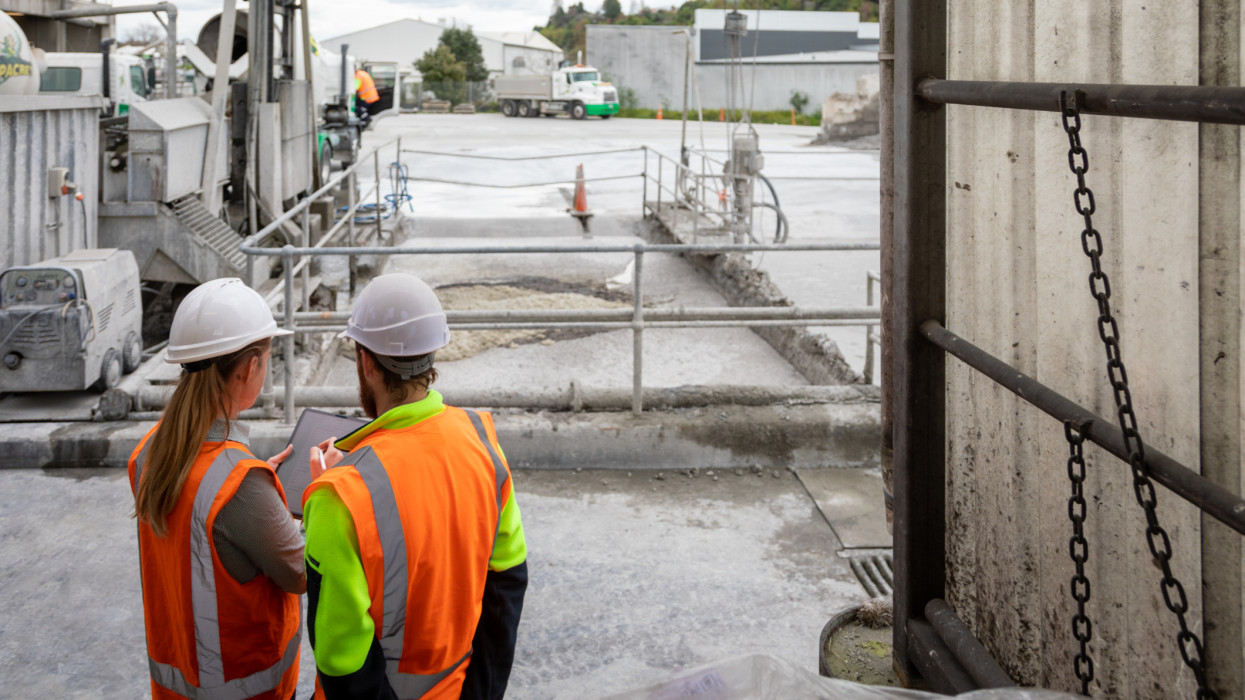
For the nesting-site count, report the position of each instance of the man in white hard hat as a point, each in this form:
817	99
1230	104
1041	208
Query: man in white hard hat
416	558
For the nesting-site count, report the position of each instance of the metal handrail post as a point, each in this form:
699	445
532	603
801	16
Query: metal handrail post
661	161
250	270
637	333
351	214
379	211
287	257
868	330
306	276
644	194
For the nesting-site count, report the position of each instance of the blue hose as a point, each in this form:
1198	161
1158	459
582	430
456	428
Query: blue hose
399	195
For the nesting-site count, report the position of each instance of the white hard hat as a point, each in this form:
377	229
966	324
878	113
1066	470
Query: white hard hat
398	315
217	318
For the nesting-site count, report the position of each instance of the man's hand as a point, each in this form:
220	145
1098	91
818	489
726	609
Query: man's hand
276	460
324	457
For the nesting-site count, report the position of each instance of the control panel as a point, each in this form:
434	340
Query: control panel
34	287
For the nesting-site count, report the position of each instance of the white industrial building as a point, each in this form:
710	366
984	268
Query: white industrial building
405	41
818	53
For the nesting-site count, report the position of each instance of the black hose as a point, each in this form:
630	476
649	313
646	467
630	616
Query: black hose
779	237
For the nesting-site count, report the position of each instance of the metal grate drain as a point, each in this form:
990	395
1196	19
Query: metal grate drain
876	573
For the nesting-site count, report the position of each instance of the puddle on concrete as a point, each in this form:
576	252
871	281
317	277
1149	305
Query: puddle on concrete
80	474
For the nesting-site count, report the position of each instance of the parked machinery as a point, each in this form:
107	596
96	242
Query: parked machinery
70	323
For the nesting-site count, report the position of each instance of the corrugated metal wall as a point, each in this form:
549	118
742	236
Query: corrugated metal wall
38	133
1017	286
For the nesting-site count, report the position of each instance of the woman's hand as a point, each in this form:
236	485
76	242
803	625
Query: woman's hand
276	460
324	457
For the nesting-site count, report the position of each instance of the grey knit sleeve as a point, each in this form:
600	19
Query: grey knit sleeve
255	534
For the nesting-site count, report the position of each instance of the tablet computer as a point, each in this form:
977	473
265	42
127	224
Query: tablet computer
314	427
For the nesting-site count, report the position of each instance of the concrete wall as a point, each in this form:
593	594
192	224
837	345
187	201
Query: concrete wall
1017	286
650	61
38	132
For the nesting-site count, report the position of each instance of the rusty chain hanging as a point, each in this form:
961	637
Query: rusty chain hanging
1160	544
1078	547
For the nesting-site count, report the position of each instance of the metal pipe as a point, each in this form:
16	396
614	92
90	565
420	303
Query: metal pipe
1222	504
1189	103
345	90
576	248
577	398
613	325
519	158
380	232
965	647
354	205
637	334
105	49
305	262
288	258
710	313
170	11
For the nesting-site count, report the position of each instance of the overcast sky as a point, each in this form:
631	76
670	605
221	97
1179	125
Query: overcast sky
331	18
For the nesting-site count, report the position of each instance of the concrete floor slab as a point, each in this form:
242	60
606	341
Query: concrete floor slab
632	577
851	501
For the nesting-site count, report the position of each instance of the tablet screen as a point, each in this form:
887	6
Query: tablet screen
314	427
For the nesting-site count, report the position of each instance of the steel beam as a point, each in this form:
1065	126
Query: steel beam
919	293
1188	103
1214	500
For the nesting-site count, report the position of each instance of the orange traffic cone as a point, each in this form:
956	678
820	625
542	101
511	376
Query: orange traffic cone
581	194
793	117
722	115
659	112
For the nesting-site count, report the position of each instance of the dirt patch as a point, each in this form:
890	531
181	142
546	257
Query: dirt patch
522	293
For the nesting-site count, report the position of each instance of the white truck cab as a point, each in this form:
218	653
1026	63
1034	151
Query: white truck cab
575	90
83	74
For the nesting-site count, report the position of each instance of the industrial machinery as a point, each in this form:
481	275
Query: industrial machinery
70	323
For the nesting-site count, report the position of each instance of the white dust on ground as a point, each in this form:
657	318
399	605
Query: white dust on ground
465	344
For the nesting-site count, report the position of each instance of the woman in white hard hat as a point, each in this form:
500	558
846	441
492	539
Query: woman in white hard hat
221	558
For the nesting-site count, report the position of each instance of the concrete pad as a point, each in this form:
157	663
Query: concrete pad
632	577
851	501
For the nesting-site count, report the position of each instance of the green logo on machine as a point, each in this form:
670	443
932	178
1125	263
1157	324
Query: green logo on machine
12	65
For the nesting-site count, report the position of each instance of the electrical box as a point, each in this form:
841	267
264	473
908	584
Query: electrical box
58	182
70	323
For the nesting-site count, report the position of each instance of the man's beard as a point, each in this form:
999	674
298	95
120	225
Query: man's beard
367	397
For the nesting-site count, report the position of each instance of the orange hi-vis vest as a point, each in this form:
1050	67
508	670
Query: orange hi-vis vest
366	87
426	501
209	636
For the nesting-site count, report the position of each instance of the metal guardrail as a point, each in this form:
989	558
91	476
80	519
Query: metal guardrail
296	260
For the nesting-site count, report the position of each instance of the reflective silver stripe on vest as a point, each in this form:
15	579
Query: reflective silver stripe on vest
393	545
212	684
411	686
499	469
238	689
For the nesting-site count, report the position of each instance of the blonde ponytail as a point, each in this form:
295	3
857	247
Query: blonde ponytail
199	399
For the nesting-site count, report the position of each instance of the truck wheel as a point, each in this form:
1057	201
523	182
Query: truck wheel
326	171
525	109
507	108
132	352
109	371
578	111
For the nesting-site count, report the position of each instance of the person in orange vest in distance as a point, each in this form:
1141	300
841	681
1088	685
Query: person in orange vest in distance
221	558
365	88
416	557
